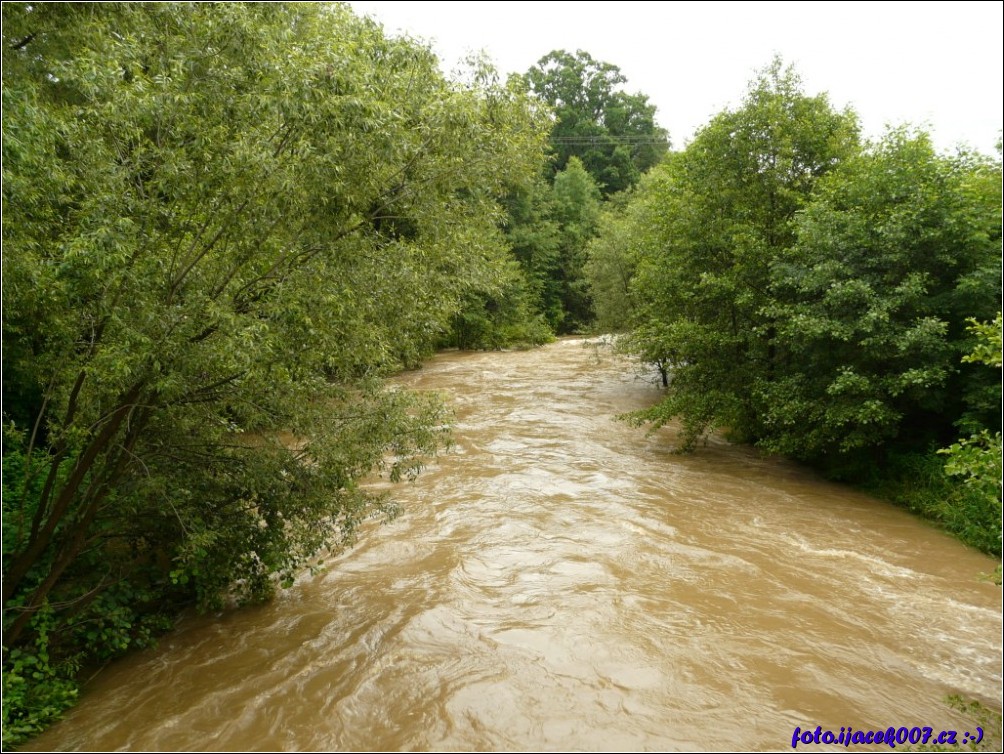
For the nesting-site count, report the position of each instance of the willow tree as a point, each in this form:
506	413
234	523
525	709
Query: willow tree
221	224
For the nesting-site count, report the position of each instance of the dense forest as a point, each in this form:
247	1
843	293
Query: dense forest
224	224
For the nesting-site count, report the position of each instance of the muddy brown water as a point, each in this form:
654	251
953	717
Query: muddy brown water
563	581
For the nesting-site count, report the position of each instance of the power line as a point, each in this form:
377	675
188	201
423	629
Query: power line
609	139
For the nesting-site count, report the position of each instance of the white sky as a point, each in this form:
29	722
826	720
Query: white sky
934	64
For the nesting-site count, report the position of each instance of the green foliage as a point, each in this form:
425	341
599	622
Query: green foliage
990	721
603	140
891	256
36	688
919	481
988	350
978	459
502	317
722	212
804	293
632	228
611	262
612	133
535	240
957	487
549	229
980	716
222	224
575	210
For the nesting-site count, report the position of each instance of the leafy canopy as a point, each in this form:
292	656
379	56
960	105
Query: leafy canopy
614	134
712	221
222	224
899	246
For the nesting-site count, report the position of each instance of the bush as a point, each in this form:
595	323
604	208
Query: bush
923	482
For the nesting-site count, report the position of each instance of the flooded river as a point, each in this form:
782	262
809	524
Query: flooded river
563	581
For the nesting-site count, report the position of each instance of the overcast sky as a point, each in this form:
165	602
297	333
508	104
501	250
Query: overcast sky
936	64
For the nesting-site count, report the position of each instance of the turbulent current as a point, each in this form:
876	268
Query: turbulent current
560	580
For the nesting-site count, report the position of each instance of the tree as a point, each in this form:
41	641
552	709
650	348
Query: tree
977	460
611	261
222	224
575	210
899	246
549	228
726	207
535	239
614	134
502	316
632	228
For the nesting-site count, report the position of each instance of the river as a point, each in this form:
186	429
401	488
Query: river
563	581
